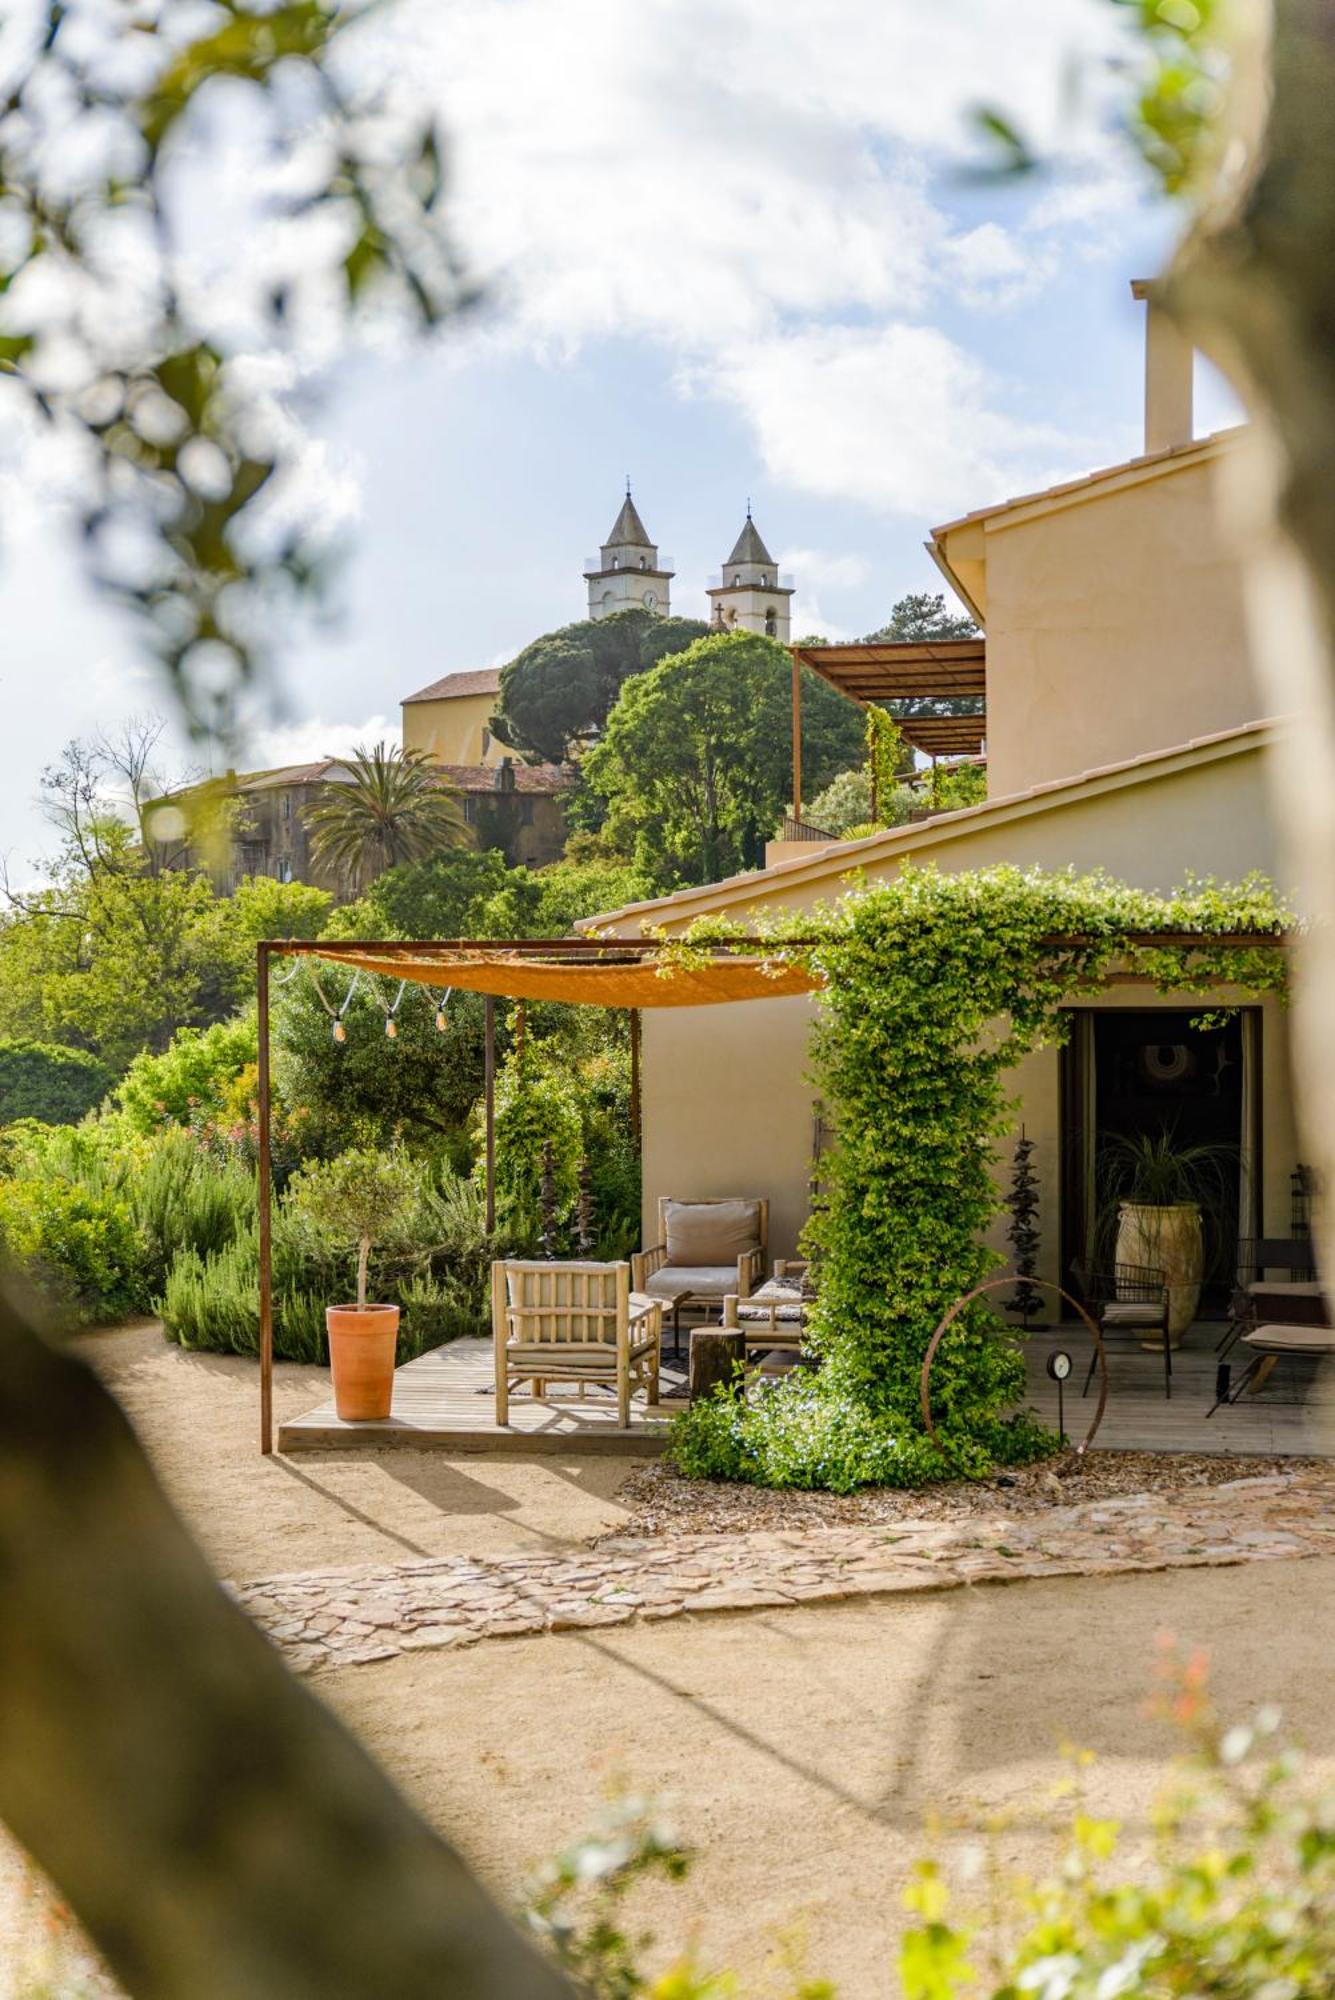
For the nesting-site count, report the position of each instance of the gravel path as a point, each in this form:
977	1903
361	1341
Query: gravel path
336	1618
662	1502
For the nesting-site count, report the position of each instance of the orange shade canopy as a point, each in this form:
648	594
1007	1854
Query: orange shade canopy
612	982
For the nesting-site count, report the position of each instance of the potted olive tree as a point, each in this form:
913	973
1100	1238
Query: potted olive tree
1157	1189
362	1200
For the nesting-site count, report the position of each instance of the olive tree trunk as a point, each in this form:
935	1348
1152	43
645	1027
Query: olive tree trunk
1253	284
218	1833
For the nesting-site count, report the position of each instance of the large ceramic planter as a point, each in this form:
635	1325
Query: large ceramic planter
1167	1240
362	1340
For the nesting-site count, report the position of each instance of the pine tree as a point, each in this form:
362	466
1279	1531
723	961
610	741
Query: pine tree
1022	1232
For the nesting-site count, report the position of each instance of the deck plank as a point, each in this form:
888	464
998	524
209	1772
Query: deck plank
444	1401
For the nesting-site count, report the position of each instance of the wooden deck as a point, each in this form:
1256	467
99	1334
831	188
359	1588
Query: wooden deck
445	1401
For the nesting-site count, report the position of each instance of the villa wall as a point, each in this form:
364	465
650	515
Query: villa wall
454	731
1114	619
729	1109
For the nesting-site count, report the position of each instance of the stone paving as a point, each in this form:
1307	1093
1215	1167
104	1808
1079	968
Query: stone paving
341	1617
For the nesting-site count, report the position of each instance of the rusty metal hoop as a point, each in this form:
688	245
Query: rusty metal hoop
996	1285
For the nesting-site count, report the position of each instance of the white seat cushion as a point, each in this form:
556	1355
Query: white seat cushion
1291	1339
1289	1288
696	1281
1133	1312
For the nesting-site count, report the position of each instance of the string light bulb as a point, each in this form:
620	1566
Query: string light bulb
340	1032
391	1028
441	1022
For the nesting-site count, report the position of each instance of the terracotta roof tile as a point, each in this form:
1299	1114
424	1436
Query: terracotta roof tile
451	687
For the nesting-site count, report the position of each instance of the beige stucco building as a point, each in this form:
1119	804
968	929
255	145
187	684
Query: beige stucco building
450	719
1123	733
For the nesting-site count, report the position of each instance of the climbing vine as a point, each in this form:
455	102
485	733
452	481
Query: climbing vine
935	987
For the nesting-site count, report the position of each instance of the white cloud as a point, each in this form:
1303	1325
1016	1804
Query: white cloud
727	161
810	622
308	742
817	566
753	183
893	416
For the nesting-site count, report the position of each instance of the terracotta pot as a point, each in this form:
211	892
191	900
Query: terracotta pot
1167	1240
362	1340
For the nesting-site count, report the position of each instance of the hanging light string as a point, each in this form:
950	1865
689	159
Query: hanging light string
391	1025
340	1033
287	977
441	1021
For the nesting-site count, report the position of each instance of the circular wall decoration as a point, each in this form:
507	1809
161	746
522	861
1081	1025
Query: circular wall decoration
1167	1062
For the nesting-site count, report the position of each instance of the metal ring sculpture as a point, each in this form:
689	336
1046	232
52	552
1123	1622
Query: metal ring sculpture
995	1285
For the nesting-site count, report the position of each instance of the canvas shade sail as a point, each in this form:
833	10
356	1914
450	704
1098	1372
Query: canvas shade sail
640	983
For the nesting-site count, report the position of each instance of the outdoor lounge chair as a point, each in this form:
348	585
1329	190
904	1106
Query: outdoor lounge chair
1130	1301
1266	1345
705	1250
1277	1284
573	1323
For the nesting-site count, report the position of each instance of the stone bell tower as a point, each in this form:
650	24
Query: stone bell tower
627	574
750	596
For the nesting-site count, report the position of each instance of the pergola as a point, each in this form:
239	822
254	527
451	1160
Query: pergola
614	972
900	673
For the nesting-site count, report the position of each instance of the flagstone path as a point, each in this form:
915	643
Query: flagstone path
340	1617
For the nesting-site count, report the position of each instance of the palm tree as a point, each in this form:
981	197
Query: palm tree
395	807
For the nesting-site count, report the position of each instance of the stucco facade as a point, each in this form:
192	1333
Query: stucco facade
1113	616
729	1104
451	719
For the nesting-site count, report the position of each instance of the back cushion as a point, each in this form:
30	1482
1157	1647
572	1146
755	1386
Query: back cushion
711	1232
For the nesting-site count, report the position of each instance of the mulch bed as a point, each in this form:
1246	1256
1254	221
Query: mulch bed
662	1502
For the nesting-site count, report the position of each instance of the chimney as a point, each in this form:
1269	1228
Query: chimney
1169	358
505	775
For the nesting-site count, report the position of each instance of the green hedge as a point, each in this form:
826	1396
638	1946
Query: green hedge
50	1082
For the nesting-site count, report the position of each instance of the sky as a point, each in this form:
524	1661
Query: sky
728	249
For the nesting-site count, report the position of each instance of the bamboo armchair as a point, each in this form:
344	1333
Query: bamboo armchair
705	1251
573	1323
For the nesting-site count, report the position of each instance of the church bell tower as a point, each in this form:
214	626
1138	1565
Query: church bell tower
626	574
750	596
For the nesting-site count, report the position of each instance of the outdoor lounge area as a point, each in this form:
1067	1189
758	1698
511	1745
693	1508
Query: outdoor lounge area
445	1400
600	1356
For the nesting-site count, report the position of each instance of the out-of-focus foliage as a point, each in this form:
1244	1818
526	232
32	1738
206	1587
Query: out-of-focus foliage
146	339
1171	86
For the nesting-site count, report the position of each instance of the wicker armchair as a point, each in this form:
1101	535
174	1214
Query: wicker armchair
1130	1301
573	1323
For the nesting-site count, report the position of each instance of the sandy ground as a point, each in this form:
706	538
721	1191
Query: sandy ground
199	1416
802	1752
805	1752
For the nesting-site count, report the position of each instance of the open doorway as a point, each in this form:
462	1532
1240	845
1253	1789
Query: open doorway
1137	1074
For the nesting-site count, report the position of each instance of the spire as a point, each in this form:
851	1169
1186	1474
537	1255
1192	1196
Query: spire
628	530
749	547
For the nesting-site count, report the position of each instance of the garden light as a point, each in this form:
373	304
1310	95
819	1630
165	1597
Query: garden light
1059	1369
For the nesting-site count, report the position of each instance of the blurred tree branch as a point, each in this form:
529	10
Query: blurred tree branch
151	346
218	1833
